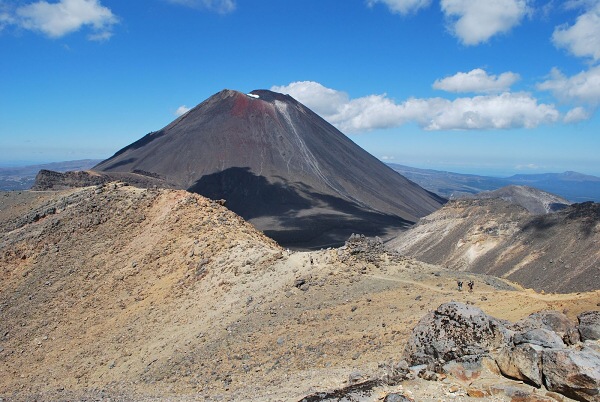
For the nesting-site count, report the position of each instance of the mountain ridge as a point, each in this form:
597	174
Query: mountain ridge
574	186
553	252
534	200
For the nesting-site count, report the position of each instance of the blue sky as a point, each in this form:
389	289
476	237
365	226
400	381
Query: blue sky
486	86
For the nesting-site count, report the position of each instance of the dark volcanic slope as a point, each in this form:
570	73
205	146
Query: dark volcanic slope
555	252
280	166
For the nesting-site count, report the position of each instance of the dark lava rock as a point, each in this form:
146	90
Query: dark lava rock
452	331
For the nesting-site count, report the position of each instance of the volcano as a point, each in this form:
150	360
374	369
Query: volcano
280	166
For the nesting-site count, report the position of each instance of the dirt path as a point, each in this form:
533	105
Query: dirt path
526	292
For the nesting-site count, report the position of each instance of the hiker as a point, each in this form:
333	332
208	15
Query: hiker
471	284
460	283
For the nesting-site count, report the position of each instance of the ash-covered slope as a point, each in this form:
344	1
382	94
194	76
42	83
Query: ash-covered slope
280	166
555	252
534	200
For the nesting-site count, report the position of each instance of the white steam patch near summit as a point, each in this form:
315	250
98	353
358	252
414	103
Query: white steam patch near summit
181	110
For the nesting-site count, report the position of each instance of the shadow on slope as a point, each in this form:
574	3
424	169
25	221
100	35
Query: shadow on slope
298	217
585	215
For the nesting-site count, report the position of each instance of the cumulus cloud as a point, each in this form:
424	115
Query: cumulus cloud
474	22
219	6
314	95
576	115
402	6
581	38
181	110
477	80
66	16
580	88
501	111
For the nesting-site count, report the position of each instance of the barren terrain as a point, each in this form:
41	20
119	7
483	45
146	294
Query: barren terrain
555	252
132	294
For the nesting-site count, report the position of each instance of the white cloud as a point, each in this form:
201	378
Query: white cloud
58	19
219	6
581	39
503	111
315	96
581	88
181	110
528	166
387	158
402	6
576	115
477	80
476	21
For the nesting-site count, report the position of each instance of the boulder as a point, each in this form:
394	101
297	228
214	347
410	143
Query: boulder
522	362
452	331
574	373
550	320
589	325
458	339
395	397
541	337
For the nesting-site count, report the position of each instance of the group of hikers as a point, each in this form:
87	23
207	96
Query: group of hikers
470	284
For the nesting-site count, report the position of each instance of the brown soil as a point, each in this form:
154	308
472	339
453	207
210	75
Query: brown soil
130	294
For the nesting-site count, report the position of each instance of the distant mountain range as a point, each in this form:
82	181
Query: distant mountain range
573	186
23	177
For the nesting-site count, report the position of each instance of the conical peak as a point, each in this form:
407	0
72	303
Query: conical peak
261	94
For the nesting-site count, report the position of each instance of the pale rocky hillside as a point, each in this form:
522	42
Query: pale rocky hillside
556	252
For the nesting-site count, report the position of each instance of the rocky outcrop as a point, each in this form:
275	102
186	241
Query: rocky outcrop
461	338
51	180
